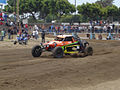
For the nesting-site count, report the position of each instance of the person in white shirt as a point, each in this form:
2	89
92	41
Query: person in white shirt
34	33
11	23
36	27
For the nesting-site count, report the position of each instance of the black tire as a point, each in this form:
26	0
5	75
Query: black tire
20	42
58	52
36	51
88	51
25	42
15	42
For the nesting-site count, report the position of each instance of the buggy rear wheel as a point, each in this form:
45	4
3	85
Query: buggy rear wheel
36	51
58	52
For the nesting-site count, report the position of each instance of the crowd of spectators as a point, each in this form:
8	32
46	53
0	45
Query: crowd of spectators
107	28
11	28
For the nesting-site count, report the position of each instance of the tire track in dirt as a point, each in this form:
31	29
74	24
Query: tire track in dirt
23	72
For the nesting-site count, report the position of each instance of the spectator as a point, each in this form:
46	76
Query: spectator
26	27
100	37
9	33
2	35
105	28
5	17
36	34
11	23
0	14
43	36
12	32
36	27
113	28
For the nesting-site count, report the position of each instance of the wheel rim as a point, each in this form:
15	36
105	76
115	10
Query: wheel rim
37	50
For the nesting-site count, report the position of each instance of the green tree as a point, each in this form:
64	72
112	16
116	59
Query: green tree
92	11
72	18
112	12
43	7
105	3
63	7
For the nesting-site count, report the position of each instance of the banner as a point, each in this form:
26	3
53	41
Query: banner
3	1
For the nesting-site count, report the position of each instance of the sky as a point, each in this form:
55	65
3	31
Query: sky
79	2
2	1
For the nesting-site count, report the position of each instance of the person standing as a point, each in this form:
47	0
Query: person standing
11	23
5	17
2	35
36	27
9	33
36	35
26	27
43	36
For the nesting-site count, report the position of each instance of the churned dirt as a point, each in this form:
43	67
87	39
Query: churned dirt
20	71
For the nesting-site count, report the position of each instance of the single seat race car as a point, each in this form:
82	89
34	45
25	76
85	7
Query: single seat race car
63	45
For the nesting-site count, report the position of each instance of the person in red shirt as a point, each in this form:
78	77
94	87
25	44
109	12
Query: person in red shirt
1	19
26	27
100	22
1	23
0	14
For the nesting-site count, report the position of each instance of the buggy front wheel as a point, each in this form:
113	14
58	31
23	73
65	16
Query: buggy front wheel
36	51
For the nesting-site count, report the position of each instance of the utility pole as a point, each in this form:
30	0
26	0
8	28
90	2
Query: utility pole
15	11
18	12
75	12
75	7
18	20
15	6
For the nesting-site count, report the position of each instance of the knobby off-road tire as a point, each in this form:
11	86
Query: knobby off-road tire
58	52
88	51
36	51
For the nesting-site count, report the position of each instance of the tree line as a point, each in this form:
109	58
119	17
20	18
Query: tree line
63	10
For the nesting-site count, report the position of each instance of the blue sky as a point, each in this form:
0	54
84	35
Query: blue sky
79	2
2	1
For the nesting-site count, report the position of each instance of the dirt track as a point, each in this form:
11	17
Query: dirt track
20	71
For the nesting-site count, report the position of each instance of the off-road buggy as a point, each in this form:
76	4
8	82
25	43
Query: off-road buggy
63	45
